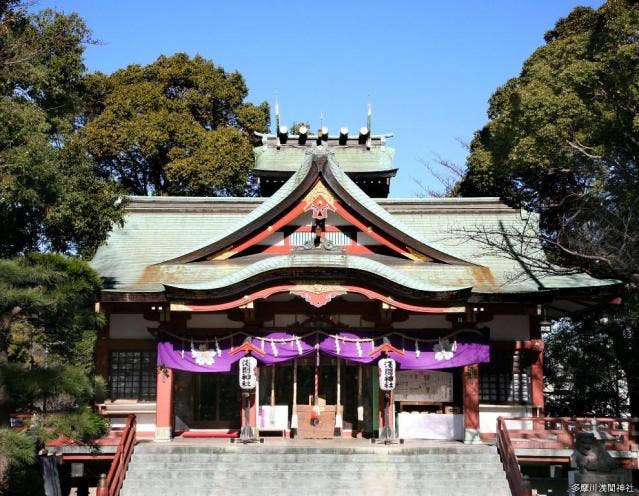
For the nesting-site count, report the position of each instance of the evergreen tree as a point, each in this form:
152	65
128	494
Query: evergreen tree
563	141
178	126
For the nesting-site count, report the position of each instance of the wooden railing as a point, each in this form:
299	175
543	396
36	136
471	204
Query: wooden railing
509	460
110	485
559	432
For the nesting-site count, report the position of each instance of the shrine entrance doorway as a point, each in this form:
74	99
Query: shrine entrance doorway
277	384
217	401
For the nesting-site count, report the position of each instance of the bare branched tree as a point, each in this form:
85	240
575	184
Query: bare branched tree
446	172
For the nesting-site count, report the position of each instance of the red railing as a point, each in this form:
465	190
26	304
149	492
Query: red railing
558	432
620	434
509	460
110	485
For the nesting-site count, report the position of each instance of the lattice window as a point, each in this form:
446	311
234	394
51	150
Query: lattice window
132	375
299	238
506	379
340	238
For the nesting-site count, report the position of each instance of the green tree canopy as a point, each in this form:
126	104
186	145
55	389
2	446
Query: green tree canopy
296	125
177	126
49	299
563	140
50	197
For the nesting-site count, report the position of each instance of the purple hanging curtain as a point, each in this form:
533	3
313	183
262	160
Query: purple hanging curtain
215	356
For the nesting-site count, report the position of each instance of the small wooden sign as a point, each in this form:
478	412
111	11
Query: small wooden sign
429	386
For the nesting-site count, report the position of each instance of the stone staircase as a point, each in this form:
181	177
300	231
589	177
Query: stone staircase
172	469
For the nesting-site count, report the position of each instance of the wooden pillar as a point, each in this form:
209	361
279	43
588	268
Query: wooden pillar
360	400
164	405
471	403
103	488
338	403
294	419
537	379
537	389
102	350
536	352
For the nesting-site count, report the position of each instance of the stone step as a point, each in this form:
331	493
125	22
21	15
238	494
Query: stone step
332	491
320	459
287	474
237	470
161	448
277	466
333	478
352	488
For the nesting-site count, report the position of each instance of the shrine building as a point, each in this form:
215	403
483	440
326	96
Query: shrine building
318	279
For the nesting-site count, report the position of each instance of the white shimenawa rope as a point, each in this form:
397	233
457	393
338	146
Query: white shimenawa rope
342	338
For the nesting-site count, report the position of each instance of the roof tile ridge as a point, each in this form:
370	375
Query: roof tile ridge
375	208
262	209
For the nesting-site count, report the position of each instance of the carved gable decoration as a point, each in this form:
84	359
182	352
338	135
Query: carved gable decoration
319	201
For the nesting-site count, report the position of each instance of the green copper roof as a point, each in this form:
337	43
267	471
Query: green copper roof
344	186
136	256
324	260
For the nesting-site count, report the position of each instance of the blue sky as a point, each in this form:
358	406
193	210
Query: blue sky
429	67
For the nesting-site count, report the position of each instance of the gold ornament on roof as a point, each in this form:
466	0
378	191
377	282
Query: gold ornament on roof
319	200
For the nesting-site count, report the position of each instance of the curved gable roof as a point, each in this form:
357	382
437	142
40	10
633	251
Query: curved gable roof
322	260
319	165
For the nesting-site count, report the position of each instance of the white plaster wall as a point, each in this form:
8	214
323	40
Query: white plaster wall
488	416
145	422
509	328
212	320
424	322
129	326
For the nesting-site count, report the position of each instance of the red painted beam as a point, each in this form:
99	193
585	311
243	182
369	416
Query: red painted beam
259	236
369	230
265	293
352	249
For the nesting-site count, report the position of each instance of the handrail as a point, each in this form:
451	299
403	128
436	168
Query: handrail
509	460
110	485
623	432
